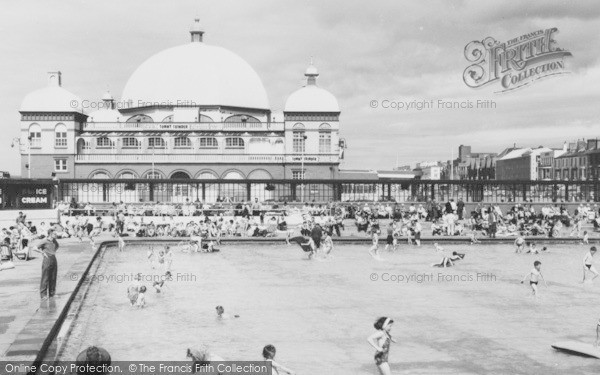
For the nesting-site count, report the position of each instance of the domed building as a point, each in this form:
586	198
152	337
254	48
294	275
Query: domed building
194	111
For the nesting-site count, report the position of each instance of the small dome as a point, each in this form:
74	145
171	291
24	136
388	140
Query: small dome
311	71
312	98
51	99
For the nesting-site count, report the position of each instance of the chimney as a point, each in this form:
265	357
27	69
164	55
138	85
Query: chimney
54	79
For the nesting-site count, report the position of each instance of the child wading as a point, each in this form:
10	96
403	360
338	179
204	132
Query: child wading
381	341
534	277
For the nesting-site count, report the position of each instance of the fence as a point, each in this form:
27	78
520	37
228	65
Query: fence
180	191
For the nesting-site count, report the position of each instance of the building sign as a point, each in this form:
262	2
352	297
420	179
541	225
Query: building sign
306	159
515	63
34	197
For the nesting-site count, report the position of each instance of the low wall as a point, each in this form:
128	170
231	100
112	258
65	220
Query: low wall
8	217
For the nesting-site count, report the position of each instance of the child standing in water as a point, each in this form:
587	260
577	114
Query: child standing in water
141	298
588	264
133	290
375	247
121	242
327	244
381	340
534	277
269	352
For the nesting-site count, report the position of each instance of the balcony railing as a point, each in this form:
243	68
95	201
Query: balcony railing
203	158
183	126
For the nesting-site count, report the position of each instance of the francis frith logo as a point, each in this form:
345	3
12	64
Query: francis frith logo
515	63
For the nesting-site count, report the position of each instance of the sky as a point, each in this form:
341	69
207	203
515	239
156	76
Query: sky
383	51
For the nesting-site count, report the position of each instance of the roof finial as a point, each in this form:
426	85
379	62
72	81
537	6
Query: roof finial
196	31
311	73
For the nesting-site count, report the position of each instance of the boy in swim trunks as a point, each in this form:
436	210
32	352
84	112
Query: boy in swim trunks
519	244
534	277
588	264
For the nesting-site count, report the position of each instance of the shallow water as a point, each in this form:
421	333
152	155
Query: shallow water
318	314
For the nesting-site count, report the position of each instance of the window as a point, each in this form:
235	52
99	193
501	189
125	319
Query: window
153	175
35	135
183	142
60	165
156	142
104	142
234	143
297	175
140	118
299	141
324	141
60	136
208	143
131	143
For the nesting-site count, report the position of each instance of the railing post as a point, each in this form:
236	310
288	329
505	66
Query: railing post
203	192
524	192
566	192
151	191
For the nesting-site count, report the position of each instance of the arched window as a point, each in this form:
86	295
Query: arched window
209	142
156	143
182	142
204	118
236	142
60	136
299	140
241	118
104	142
126	176
325	139
233	175
180	176
140	118
100	176
206	175
130	142
153	175
35	135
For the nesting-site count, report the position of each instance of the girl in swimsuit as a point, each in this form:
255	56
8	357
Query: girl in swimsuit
381	341
276	369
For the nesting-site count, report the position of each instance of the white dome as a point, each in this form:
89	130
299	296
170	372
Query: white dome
311	98
104	115
51	99
197	74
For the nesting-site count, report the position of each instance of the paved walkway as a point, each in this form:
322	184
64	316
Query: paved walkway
24	320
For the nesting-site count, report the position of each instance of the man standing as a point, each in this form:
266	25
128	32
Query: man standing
47	247
461	208
492	222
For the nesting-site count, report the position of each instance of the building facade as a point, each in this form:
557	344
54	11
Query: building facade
194	111
520	164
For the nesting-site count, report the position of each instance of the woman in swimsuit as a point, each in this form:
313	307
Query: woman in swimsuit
381	341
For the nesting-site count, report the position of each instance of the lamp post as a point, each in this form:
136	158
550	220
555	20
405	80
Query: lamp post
302	166
17	141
